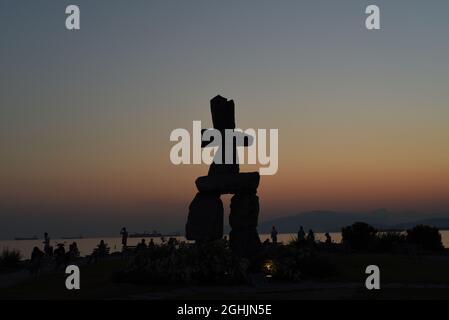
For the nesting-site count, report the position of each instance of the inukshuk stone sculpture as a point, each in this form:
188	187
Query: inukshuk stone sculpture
205	220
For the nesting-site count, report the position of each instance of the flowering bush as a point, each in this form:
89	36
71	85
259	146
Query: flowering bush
293	263
214	263
209	263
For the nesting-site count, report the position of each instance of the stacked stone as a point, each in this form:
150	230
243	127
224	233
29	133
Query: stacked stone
244	239
205	219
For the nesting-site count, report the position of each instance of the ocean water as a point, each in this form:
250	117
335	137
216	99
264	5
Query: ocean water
86	245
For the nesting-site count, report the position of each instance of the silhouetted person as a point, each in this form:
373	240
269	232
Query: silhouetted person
172	242
102	248
301	236
311	237
274	235
73	250
100	251
141	246
36	261
47	248
59	256
36	253
124	234
151	244
46	240
59	249
328	241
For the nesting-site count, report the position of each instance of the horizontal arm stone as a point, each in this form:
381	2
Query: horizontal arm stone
247	182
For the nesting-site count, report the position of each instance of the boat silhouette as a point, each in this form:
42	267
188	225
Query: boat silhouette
146	234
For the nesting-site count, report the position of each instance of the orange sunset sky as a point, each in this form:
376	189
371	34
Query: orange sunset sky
86	116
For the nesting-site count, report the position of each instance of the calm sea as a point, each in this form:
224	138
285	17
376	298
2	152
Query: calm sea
86	245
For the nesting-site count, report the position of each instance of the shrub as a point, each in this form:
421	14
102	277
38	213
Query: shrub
214	263
293	263
429	238
10	259
386	241
209	263
360	236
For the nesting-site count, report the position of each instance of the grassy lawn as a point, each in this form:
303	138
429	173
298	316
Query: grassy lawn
95	283
395	269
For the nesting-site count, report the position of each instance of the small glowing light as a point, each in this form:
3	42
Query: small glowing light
269	268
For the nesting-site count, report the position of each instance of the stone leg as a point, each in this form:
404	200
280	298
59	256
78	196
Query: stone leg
244	242
205	220
244	239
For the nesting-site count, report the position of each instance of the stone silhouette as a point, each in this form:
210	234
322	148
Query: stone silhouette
205	219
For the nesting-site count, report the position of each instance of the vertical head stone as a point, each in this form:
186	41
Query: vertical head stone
223	115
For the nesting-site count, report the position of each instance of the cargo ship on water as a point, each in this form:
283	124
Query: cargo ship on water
153	234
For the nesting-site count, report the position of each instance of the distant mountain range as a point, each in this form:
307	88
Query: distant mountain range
331	221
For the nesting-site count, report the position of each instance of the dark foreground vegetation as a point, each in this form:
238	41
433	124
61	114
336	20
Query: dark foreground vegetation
413	264
9	260
361	237
214	264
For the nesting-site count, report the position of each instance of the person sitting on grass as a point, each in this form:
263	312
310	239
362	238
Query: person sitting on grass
73	251
101	251
142	246
311	238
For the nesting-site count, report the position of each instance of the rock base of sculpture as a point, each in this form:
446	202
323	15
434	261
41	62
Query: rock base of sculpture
244	242
244	239
244	211
205	220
